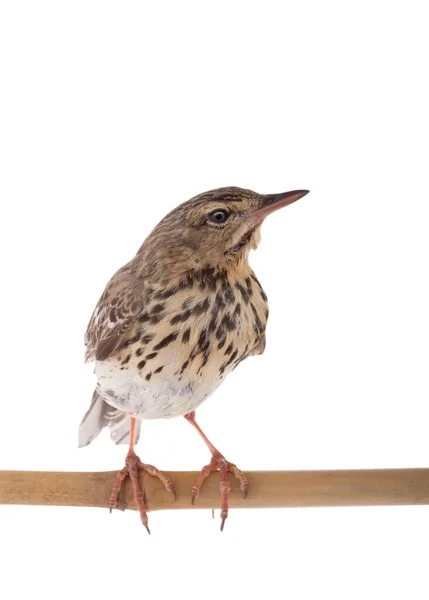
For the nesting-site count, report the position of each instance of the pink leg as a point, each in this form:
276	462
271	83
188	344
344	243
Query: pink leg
220	464
132	466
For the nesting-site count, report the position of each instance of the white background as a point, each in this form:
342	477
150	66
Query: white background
111	115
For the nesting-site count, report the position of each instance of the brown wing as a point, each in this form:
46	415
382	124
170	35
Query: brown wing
116	311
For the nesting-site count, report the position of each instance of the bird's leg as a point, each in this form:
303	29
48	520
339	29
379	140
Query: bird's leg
132	466
220	464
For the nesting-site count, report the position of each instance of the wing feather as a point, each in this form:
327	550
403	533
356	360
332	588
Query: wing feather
117	310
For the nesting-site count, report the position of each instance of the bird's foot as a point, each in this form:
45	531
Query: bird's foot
223	467
132	467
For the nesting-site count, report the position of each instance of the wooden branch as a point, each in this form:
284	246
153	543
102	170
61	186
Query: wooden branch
267	489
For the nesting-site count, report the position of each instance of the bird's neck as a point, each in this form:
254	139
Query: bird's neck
204	276
170	270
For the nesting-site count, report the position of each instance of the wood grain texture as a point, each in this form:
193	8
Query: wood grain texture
267	489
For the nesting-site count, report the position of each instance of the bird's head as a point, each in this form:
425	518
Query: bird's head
216	228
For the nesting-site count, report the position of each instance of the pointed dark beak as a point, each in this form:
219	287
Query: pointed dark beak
272	202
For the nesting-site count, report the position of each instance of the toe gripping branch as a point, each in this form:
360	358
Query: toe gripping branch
220	464
133	465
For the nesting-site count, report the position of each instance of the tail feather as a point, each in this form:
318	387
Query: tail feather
100	415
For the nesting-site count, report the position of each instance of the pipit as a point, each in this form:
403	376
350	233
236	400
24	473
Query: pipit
173	322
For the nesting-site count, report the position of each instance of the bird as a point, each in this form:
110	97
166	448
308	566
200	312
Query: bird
173	322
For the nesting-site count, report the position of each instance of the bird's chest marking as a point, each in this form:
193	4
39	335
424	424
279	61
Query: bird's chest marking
225	326
189	338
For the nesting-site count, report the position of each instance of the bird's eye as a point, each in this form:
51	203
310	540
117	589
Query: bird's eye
218	216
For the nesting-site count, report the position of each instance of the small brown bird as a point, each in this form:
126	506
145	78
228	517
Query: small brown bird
172	323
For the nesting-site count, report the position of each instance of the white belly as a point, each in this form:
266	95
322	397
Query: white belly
163	398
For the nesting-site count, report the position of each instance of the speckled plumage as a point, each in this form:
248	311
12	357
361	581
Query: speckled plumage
181	315
172	323
180	348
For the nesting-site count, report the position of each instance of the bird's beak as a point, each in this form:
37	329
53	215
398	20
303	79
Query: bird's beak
272	202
